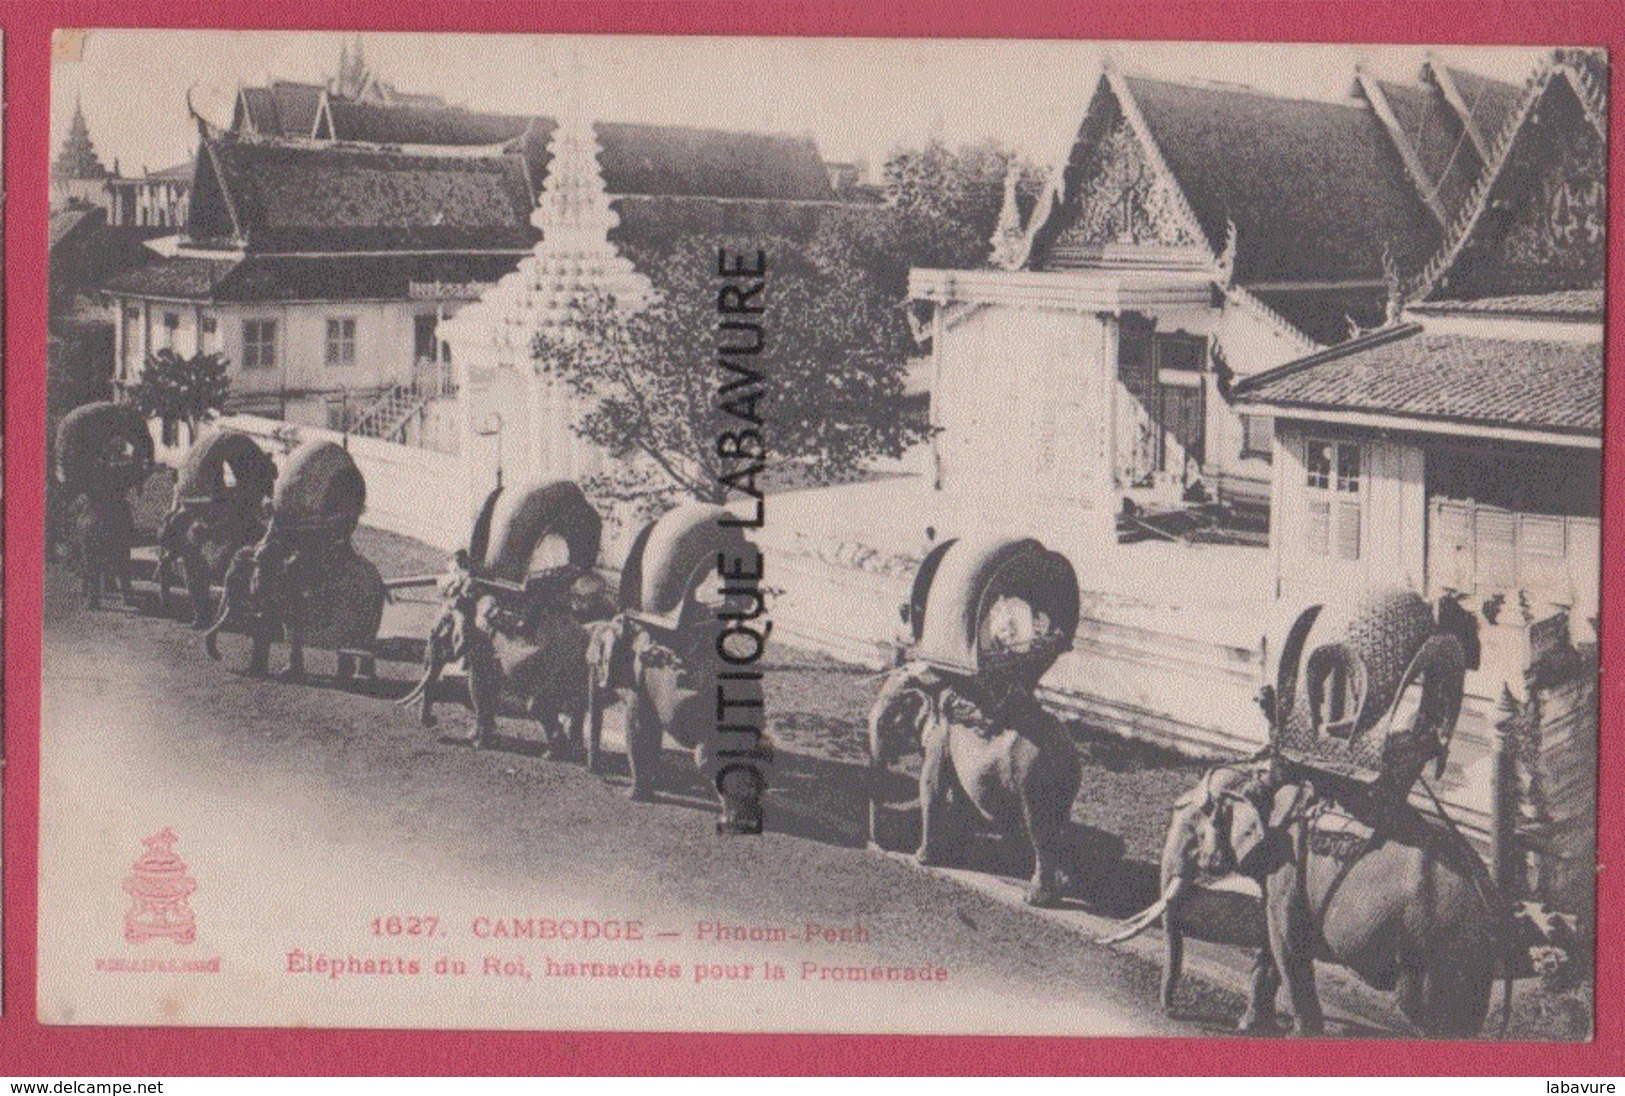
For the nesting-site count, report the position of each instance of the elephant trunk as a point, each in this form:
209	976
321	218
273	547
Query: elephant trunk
1148	916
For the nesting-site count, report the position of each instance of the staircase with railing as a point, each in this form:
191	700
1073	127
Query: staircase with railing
390	416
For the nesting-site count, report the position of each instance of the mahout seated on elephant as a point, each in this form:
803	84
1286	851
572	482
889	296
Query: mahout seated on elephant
103	450
221	504
1398	897
518	617
304	580
988	619
663	656
1348	869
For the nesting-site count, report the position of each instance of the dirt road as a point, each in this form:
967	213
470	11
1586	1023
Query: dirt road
311	815
268	782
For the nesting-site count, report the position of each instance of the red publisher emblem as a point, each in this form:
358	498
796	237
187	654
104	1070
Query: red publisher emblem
158	887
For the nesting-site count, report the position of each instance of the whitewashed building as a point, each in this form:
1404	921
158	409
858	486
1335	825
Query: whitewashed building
1192	235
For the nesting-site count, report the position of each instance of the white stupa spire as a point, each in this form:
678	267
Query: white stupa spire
573	260
492	339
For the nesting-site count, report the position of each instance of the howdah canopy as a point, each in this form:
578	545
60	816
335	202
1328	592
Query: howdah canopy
672	557
993	605
203	472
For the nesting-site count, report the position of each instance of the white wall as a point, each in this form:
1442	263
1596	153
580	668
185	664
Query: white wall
384	341
414	492
1021	399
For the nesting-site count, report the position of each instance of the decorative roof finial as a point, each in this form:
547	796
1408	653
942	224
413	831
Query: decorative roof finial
1008	237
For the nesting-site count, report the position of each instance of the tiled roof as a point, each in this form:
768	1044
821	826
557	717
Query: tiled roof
650	227
1490	103
65	221
1449	160
263	278
1409	373
1315	189
389	124
711	163
296	106
284	109
1566	304
635	159
345	198
181	277
1325	314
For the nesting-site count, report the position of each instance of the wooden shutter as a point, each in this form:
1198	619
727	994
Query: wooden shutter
1348	530
1495	544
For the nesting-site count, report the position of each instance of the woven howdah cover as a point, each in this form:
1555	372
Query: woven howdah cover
524	519
91	437
1371	692
993	605
202	476
673	557
319	484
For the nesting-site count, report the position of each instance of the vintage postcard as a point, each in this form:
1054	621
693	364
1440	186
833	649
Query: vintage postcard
1049	538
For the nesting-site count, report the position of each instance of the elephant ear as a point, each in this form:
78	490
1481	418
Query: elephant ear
1249	833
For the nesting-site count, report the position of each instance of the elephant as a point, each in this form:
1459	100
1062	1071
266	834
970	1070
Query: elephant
520	630
328	596
668	656
988	743
538	656
1396	896
103	450
669	686
195	546
103	533
212	516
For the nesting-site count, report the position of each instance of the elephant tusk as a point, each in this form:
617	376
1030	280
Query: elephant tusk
417	691
1146	917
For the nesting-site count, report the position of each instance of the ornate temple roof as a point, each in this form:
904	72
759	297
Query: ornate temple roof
1535	220
278	196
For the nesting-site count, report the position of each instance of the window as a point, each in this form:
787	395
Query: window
1258	436
1332	474
209	325
341	342
171	320
259	344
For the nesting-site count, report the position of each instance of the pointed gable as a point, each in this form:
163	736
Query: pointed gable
1536	222
1431	139
1113	192
1314	191
211	217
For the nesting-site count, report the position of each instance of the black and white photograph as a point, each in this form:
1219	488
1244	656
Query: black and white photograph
815	535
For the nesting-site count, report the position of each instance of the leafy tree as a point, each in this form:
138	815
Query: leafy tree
181	390
832	370
949	201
